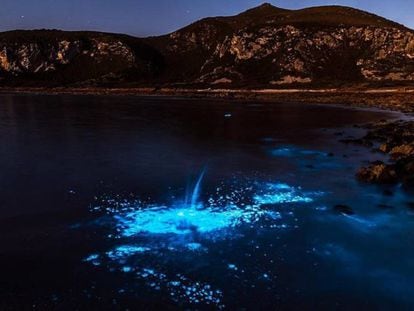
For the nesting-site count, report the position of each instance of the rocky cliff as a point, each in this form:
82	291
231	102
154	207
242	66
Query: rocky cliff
55	57
290	54
262	47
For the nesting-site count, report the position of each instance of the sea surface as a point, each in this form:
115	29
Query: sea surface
140	203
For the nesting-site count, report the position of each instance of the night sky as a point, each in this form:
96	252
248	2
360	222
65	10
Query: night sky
153	17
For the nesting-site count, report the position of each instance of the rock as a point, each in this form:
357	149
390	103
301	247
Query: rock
344	209
397	139
402	151
378	173
36	57
405	169
384	148
290	80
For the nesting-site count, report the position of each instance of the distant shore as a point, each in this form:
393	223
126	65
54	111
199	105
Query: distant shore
392	98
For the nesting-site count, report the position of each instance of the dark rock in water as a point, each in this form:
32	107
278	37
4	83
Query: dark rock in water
344	209
405	170
384	206
384	148
397	139
378	173
402	151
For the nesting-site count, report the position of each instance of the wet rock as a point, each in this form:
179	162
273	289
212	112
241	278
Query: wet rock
378	173
384	148
344	209
405	170
402	151
397	139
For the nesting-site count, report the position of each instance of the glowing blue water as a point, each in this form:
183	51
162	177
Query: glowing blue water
293	151
220	215
196	192
282	193
185	227
183	220
126	251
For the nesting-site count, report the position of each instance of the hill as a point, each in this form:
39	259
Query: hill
262	47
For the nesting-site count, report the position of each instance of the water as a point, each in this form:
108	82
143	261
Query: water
119	202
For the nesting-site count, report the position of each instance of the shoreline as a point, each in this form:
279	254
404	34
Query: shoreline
393	98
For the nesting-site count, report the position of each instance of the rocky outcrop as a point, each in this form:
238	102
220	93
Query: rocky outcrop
378	173
35	57
268	46
292	54
59	57
397	140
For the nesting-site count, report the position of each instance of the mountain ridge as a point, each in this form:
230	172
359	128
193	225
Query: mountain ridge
265	46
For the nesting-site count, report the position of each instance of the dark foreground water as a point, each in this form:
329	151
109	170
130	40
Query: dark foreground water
136	203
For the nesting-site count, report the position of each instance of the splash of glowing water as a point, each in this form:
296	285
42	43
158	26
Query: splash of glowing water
191	216
196	191
185	218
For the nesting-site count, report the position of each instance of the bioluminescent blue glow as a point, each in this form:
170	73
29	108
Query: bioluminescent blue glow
196	192
232	267
181	288
194	246
190	227
289	151
282	193
94	259
279	198
193	217
369	223
184	220
126	251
